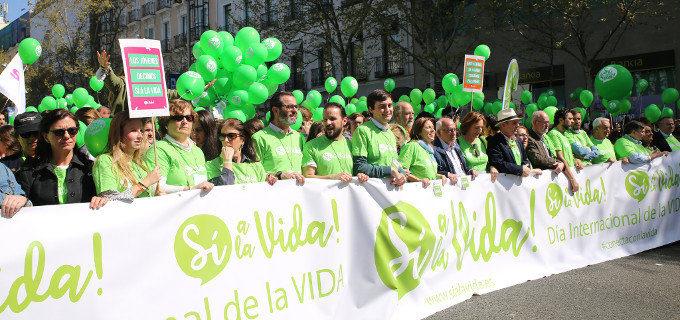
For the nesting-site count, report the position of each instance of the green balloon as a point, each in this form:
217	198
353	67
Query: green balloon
349	86
257	93
61	103
49	103
361	106
669	96
211	43
222	86
331	84
429	95
429	108
317	114
404	98
69	99
526	96
462	97
531	108
226	38
73	110
667	112
31	109
389	84
483	50
271	87
582	111
586	98
274	48
552	101
613	82
551	113
249	110
416	96
613	107
80	139
449	82
477	104
479	95
488	108
298	122
95	84
238	97
190	85
652	113
442	101
350	108
97	135
207	98
278	73
299	96
354	100
497	107
337	99
262	72
307	105
29	50
244	76
314	98
550	92
624	106
246	37
512	105
255	55
234	113
642	85
542	101
80	96
196	50
59	90
231	58
206	66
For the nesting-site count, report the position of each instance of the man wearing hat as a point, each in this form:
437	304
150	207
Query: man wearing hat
27	130
506	152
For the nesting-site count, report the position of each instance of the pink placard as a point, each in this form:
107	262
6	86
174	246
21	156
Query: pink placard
144	78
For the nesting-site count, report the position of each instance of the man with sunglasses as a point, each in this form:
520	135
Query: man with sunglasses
279	147
27	130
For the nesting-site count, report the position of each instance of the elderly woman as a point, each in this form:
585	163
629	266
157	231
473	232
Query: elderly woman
523	134
471	144
182	163
238	161
121	173
417	156
59	173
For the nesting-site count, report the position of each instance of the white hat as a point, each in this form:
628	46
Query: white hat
506	115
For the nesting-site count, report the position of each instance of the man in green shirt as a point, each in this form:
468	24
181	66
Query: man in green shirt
630	145
278	146
374	147
581	145
329	156
564	120
663	138
601	130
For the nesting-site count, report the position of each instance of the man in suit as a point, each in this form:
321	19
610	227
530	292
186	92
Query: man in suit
450	161
506	152
663	138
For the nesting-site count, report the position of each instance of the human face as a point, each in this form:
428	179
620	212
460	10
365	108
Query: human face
568	121
428	132
148	132
132	136
602	131
638	134
476	129
447	131
181	129
509	127
231	137
104	112
577	121
382	111
64	143
356	123
29	143
2	120
523	135
333	122
287	114
649	134
406	115
198	135
542	123
667	125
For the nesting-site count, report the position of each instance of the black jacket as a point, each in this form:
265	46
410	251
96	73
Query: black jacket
501	156
40	183
659	141
444	165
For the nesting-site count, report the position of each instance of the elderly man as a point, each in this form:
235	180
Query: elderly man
450	161
601	130
404	116
506	152
563	122
630	145
663	138
541	151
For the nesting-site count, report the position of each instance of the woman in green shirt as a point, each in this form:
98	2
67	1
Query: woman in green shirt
238	163
471	144
181	162
417	156
121	174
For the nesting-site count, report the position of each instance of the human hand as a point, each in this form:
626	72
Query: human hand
152	177
12	204
227	154
574	185
559	166
453	178
205	186
293	175
494	174
525	171
625	160
97	202
474	174
578	164
343	176
426	182
271	179
103	59
362	177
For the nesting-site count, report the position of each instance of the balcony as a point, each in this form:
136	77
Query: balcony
165	45
180	40
358	70
296	82
162	4
148	9
391	65
133	15
195	32
268	20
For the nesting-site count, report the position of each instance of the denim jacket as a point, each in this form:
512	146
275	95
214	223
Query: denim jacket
8	184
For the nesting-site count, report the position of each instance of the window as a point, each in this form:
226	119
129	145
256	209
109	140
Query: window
228	23
166	31
247	12
149	32
183	24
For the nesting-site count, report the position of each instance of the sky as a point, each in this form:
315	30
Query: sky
15	7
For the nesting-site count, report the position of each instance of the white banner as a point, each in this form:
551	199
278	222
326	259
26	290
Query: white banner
13	84
326	249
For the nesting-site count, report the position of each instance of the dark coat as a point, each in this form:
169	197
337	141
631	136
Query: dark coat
501	156
444	164
40	183
539	158
659	141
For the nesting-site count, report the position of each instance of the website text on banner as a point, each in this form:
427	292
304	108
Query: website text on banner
326	250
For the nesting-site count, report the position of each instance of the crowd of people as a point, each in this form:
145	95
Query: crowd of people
41	164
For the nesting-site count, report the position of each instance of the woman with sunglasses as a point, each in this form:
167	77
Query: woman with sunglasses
238	161
474	150
121	174
182	163
59	173
417	156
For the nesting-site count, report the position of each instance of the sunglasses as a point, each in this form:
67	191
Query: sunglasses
72	131
179	117
474	146
30	134
229	136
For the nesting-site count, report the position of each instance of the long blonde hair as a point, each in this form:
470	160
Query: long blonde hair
121	161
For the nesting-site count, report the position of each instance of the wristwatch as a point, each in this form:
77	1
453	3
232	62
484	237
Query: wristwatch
278	175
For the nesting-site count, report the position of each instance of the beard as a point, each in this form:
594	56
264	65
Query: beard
283	117
336	133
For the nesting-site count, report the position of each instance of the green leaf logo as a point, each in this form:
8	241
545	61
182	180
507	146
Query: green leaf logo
553	199
403	247
637	185
203	247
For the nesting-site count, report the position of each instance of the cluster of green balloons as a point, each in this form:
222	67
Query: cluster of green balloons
80	98
653	113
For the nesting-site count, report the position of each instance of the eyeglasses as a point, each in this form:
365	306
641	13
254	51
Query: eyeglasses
72	131
30	134
179	117
290	106
474	146
229	136
448	130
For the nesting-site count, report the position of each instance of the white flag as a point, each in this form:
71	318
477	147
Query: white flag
13	83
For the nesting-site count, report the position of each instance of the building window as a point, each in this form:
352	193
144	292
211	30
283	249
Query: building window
228	23
247	12
183	25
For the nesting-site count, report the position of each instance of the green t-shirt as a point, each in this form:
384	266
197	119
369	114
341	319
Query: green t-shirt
278	151
626	146
673	142
605	148
476	163
62	190
107	178
182	168
561	143
581	138
244	172
379	147
415	158
329	157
